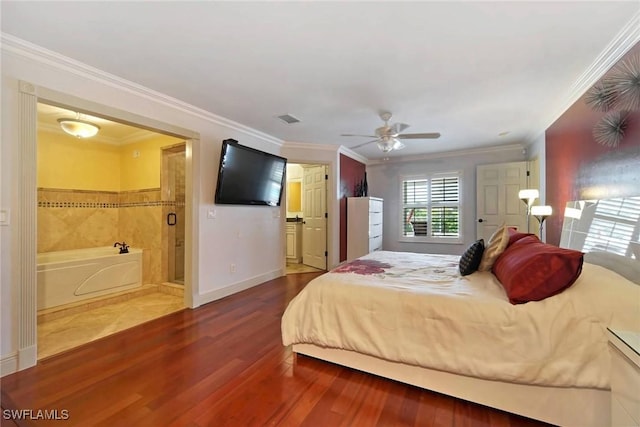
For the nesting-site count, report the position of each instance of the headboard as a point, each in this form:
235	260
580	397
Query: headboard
607	231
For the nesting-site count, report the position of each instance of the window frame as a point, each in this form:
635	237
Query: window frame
401	205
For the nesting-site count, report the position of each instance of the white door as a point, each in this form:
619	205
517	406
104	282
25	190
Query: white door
314	210
497	188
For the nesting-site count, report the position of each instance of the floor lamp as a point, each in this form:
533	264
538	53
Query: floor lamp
528	196
541	213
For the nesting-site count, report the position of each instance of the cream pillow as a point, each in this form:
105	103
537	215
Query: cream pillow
497	244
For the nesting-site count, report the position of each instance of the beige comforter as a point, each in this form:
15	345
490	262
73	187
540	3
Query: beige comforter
417	309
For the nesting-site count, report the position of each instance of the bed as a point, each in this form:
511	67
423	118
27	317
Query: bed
414	318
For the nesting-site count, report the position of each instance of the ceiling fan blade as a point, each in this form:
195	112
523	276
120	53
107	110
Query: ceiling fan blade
396	128
431	135
363	144
354	134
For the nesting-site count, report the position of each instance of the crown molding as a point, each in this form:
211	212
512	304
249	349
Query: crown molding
309	146
350	153
23	48
446	154
628	37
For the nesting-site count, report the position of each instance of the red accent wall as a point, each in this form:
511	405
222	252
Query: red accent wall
577	167
351	173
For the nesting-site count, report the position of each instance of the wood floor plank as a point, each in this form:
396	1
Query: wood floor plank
223	364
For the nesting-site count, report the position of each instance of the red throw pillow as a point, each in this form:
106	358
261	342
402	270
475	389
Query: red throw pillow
515	235
530	270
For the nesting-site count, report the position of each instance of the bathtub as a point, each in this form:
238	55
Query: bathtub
65	277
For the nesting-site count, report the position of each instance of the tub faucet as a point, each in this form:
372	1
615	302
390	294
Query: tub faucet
124	248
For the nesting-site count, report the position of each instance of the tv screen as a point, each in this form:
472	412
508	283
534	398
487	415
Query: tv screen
248	176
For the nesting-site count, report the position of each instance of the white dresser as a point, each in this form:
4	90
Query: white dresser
624	347
364	226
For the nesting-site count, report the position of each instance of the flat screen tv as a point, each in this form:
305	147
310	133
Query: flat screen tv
248	176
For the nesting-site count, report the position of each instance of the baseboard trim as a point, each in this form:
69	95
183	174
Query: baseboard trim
236	287
8	364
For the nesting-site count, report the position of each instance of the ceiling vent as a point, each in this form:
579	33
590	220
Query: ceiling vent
288	119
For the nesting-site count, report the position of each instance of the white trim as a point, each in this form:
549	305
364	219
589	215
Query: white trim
237	287
352	154
24	241
566	406
445	154
9	364
310	146
23	48
628	37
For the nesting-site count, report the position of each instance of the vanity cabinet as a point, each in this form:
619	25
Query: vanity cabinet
364	226
294	241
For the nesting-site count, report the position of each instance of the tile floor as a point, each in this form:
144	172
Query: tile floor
293	268
61	330
60	333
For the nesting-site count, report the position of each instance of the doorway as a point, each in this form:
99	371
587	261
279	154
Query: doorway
306	218
95	193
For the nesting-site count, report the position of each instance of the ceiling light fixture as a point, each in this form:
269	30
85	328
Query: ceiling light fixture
388	143
78	128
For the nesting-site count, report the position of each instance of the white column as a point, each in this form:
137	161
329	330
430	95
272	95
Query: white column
26	227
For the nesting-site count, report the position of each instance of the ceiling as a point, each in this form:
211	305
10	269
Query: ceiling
110	132
470	70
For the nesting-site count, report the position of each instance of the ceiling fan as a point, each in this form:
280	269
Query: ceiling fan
388	137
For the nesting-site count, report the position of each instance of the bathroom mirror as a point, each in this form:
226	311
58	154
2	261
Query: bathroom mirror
294	196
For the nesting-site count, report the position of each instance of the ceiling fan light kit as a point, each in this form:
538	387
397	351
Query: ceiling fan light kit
387	137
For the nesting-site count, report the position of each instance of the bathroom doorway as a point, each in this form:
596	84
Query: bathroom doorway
174	194
306	229
94	193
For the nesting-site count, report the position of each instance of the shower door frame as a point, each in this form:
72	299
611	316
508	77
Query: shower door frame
170	205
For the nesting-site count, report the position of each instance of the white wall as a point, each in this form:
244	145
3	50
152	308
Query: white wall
384	182
252	238
8	296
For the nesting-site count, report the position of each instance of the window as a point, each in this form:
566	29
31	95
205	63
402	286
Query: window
431	208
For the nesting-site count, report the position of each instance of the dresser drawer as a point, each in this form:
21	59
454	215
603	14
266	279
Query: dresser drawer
375	230
375	217
375	243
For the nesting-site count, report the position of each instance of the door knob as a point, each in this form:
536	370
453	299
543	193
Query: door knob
480	220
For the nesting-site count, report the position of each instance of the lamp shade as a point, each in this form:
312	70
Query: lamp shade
528	194
541	210
79	128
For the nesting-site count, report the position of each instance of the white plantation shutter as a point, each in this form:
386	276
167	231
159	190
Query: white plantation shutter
431	207
614	226
445	207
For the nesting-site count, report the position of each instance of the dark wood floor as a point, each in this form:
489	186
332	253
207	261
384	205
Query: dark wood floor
223	364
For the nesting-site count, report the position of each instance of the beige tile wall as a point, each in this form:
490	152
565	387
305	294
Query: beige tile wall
75	219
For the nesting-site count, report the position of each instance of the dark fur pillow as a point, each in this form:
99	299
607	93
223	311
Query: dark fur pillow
470	259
